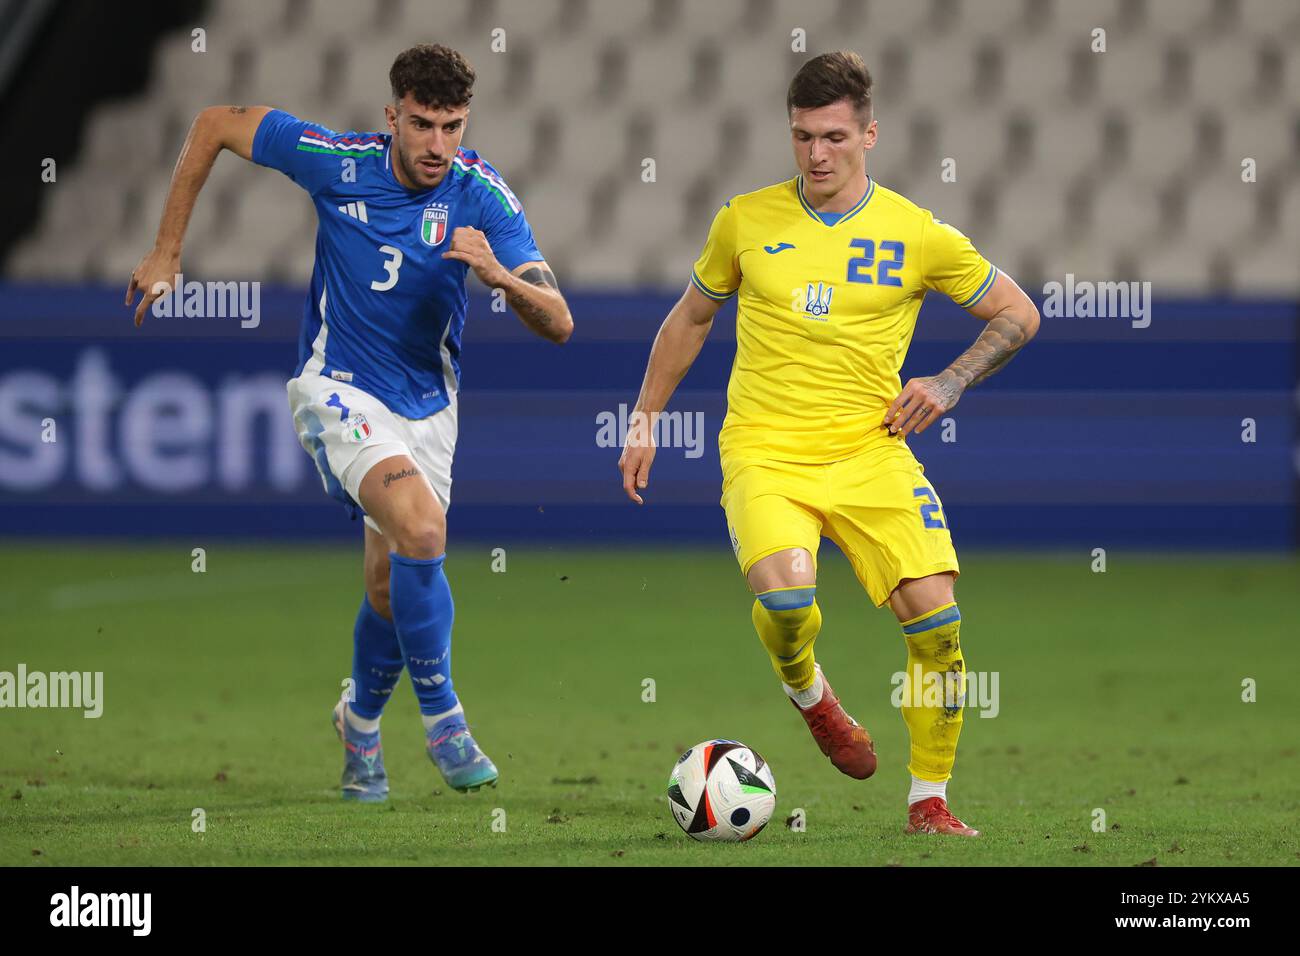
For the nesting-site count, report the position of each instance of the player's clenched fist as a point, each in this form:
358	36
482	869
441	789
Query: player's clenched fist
471	247
921	402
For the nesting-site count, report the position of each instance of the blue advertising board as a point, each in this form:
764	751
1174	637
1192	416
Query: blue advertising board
1180	433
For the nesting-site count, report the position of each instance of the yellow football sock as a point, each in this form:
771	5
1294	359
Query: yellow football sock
787	621
934	692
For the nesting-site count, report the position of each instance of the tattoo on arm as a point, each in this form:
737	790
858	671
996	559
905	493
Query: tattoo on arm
239	109
392	476
996	345
529	311
541	276
949	387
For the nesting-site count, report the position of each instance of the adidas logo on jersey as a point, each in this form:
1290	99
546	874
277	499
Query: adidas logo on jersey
357	210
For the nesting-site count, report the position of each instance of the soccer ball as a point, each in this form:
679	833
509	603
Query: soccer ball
722	791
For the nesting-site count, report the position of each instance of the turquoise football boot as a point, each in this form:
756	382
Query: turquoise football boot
457	756
364	777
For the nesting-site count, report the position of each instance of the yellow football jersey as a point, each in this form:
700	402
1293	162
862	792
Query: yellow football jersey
825	315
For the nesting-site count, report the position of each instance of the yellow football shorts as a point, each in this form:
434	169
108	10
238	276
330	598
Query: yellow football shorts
877	506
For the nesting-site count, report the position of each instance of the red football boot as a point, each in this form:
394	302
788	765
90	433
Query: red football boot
932	815
839	736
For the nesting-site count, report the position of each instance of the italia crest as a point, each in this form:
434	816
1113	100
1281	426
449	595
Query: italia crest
433	225
356	429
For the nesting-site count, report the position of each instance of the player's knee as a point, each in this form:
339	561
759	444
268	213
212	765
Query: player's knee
915	597
421	536
786	609
785	569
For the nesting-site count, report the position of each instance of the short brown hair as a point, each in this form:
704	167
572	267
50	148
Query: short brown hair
436	75
829	78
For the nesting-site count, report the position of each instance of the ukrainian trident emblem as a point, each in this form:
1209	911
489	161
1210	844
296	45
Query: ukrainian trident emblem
819	301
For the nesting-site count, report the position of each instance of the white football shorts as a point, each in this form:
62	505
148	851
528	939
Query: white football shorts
348	431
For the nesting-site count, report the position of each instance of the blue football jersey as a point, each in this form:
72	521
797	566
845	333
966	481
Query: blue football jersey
385	311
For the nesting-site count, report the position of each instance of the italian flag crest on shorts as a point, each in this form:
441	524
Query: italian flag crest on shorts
356	428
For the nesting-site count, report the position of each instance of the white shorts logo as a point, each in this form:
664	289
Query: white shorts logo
356	429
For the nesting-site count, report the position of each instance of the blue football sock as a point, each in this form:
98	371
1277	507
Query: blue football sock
376	661
423	612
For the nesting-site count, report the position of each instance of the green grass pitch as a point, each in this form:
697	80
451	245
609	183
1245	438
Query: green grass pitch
1119	691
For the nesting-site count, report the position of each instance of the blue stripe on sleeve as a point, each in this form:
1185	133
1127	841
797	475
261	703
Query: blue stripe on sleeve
982	290
699	284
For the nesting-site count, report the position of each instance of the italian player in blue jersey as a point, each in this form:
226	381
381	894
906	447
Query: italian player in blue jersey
404	215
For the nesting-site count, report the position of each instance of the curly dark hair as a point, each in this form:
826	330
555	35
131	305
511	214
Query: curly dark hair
829	78
436	75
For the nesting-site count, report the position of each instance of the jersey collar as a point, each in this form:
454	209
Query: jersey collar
866	198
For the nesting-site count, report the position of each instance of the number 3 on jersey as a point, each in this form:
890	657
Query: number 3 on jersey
391	265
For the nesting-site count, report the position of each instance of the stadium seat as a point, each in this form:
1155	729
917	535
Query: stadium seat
1057	148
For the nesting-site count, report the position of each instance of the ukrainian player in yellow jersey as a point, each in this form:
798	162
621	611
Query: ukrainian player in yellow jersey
830	269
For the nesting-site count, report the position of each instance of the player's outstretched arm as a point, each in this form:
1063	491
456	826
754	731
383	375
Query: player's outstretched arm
214	129
1012	321
674	351
530	288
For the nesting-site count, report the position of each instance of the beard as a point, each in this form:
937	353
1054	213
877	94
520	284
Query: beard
417	174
